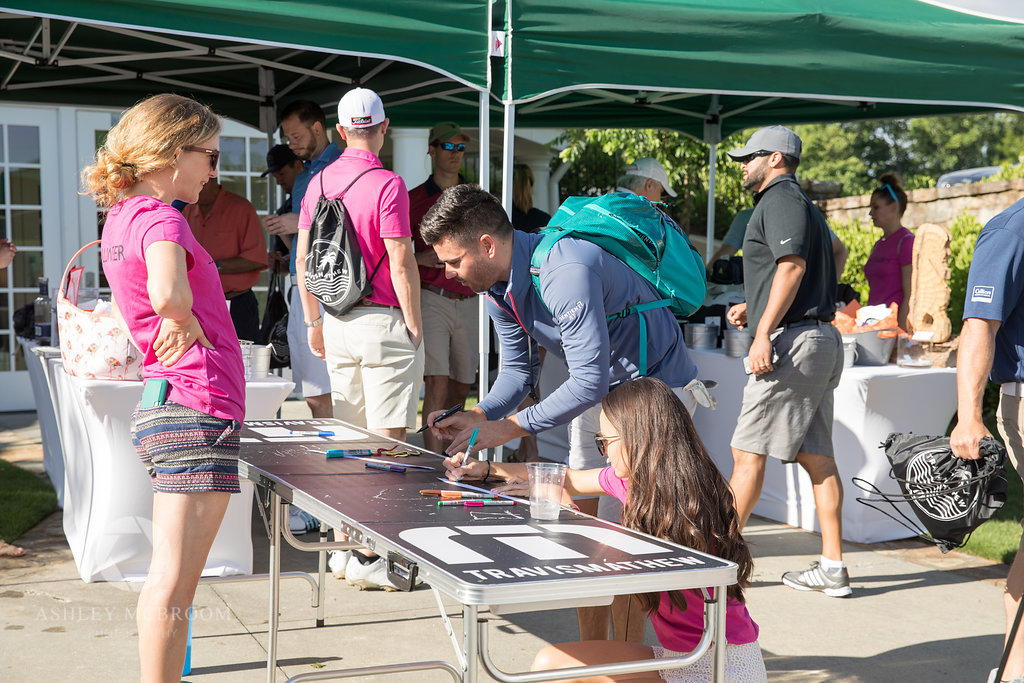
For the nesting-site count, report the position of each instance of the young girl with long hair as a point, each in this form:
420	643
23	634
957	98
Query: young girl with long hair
670	488
167	290
889	267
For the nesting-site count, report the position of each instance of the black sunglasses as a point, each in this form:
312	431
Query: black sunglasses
750	157
214	153
603	441
452	146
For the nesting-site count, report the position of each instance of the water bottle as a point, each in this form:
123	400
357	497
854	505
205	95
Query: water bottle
44	313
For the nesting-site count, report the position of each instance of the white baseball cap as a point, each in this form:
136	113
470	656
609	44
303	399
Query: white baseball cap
648	167
360	108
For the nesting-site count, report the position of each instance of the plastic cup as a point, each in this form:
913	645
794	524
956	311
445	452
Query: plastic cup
260	367
546	479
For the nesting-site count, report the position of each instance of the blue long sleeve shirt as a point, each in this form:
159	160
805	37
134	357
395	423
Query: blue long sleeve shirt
581	284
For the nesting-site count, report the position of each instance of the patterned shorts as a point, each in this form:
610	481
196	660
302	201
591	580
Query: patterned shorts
186	451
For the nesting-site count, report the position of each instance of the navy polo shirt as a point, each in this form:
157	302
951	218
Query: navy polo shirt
995	289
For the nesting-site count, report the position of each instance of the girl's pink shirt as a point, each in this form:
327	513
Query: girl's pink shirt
680	631
211	381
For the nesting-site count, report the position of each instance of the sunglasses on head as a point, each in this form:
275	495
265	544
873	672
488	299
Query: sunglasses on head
750	157
603	441
452	146
213	153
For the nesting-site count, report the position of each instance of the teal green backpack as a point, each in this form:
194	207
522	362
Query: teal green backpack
638	233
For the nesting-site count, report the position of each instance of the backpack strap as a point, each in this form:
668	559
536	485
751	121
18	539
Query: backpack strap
540	254
639	310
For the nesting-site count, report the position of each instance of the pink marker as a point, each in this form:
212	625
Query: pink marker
488	503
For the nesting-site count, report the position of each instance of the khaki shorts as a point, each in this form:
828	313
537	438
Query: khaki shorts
450	336
583	453
789	410
1009	421
376	374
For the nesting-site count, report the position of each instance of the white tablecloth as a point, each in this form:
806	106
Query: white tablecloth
46	411
108	500
870	402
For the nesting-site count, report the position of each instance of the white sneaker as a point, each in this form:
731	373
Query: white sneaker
372	575
337	561
301	522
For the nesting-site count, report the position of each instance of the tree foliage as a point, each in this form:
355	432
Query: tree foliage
921	149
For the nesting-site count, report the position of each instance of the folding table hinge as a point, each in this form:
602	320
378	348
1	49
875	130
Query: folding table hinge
402	572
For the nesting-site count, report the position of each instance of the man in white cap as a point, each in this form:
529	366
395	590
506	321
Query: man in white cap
647	178
796	357
374	352
450	311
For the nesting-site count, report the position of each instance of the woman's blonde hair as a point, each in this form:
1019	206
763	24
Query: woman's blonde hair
522	187
147	138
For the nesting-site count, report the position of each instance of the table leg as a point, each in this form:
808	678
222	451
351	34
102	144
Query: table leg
721	598
275	585
321	587
471	643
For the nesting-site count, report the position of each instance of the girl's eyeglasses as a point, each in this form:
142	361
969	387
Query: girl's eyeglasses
213	153
603	441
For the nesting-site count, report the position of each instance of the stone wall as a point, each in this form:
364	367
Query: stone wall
936	205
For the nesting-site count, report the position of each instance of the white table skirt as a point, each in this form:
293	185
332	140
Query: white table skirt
46	411
870	402
108	499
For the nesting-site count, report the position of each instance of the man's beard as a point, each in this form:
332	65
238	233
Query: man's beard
755	176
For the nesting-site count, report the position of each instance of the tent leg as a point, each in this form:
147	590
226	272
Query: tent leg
484	336
709	250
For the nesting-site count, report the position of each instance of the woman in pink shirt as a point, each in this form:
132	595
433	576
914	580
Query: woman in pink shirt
889	267
167	290
678	494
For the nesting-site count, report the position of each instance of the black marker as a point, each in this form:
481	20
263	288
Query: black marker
443	416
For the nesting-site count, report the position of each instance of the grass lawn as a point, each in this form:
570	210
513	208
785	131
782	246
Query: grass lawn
24	500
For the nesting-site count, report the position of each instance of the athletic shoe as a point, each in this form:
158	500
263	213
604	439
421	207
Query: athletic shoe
301	522
337	561
371	575
834	583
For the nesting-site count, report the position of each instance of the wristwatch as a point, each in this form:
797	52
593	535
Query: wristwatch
316	323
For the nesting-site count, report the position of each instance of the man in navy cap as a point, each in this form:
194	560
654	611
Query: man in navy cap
796	357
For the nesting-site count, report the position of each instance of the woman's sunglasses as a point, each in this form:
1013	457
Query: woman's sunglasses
213	153
603	441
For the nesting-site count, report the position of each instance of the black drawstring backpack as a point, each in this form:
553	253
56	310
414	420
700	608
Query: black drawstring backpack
951	497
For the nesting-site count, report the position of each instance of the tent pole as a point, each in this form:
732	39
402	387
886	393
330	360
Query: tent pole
484	334
268	123
709	250
712	136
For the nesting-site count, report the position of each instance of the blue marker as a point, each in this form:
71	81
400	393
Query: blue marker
469	447
320	433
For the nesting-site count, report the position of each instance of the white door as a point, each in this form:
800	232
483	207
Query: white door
30	216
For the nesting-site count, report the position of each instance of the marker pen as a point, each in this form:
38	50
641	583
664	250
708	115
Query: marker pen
487	503
385	468
447	503
325	432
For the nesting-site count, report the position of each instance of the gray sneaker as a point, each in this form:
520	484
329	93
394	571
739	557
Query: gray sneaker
835	584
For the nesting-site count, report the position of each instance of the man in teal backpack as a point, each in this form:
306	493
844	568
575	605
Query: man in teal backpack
580	286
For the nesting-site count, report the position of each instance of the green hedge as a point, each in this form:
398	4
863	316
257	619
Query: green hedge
860	237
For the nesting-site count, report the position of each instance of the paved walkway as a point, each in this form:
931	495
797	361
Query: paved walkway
916	615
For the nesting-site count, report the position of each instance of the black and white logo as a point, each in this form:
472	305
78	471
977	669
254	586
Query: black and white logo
942	499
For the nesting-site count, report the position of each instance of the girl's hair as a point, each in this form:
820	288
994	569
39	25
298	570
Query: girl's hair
147	138
890	188
522	187
675	490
